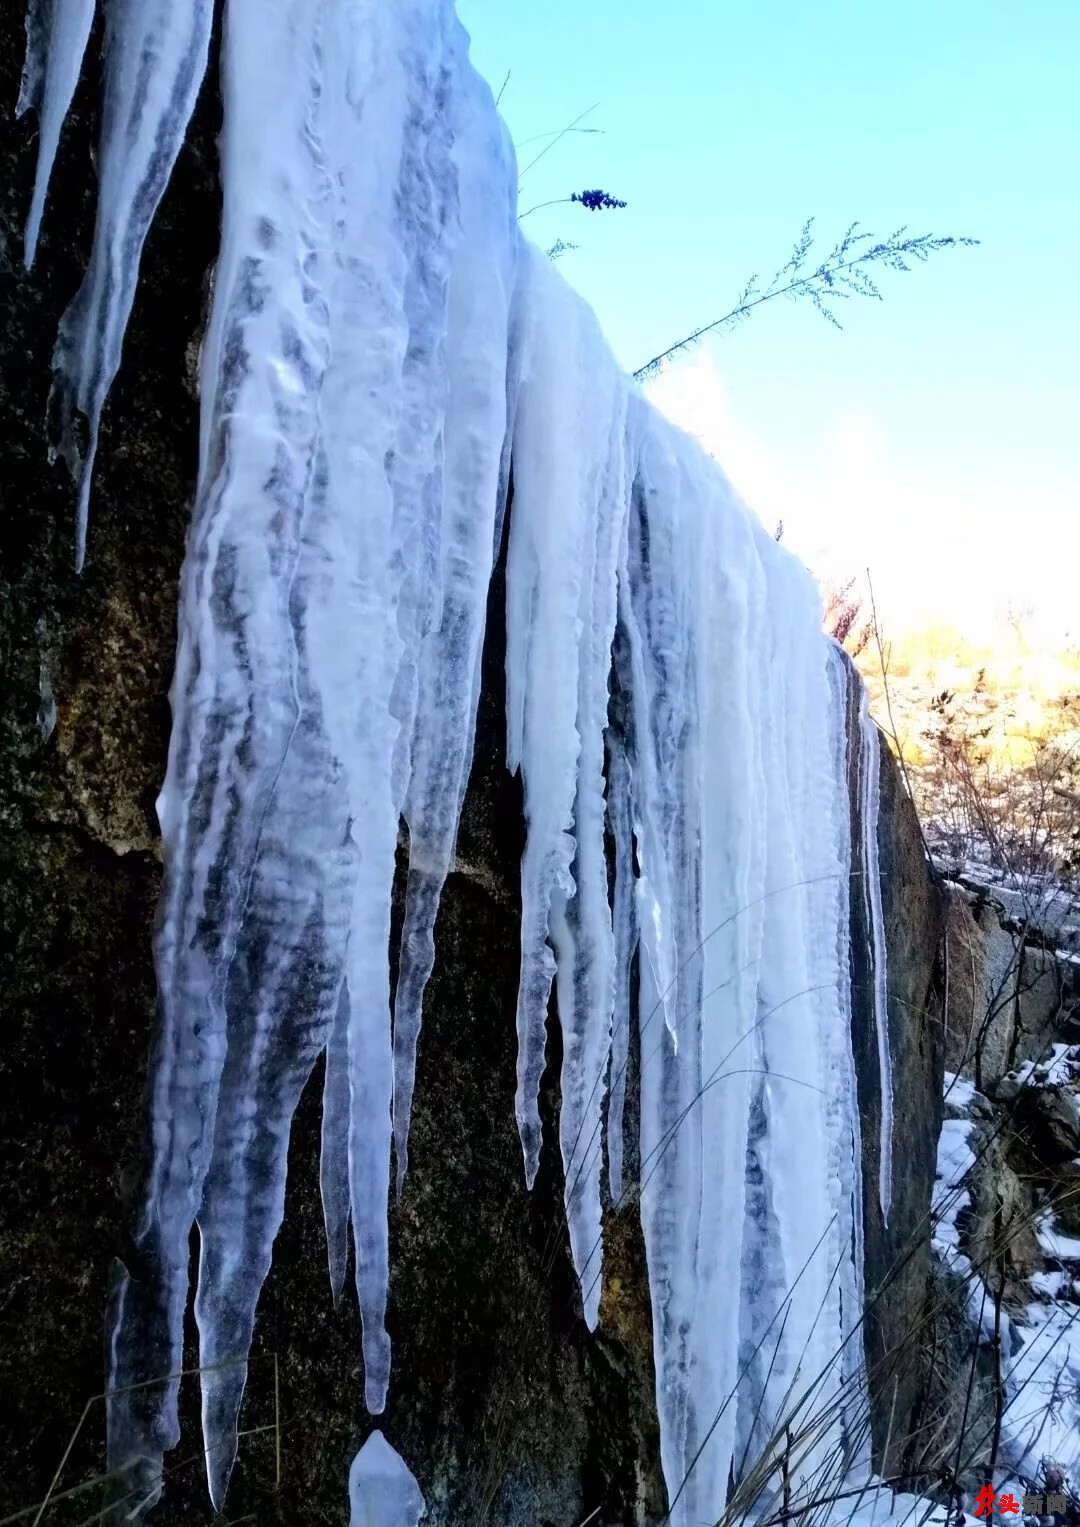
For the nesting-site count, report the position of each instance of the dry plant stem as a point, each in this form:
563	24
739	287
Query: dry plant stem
51	1493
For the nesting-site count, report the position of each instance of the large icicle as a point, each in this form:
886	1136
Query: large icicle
733	712
236	700
448	676
155	58
570	503
382	418
657	605
560	597
801	1014
57	32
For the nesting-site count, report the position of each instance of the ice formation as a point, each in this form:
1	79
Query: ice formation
382	1492
870	774
382	345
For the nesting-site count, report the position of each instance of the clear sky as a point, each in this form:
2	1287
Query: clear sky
937	437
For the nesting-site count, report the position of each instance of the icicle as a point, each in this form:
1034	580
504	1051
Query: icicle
382	1492
334	1156
57	32
581	930
254	817
155	58
799	1002
395	232
658	602
625	936
448	673
871	786
560	596
276	921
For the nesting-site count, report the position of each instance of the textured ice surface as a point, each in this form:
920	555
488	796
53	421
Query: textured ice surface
383	349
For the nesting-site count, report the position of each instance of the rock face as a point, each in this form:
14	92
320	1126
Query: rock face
1000	1371
1008	997
1003	1364
897	1253
503	1406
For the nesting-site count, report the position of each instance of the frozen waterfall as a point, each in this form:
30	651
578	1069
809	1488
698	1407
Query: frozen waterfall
384	353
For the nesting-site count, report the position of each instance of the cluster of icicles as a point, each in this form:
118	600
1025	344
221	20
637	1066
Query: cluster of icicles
382	345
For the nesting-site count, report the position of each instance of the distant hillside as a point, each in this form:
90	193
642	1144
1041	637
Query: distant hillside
990	737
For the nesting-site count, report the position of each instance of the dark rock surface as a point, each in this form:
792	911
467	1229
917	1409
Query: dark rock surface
897	1253
1009	996
505	1409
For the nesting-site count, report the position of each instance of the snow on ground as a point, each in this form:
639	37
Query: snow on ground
950	1199
1053	1243
879	1506
955	1159
1060	1068
1042	1417
1036	902
959	1092
1043	1414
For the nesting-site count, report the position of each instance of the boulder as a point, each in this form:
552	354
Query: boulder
995	1037
1039	1002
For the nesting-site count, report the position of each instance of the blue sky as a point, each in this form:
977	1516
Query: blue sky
936	437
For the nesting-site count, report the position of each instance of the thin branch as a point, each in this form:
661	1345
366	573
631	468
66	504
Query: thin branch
559	136
841	275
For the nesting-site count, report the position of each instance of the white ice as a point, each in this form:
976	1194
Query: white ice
1055	1243
959	1092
